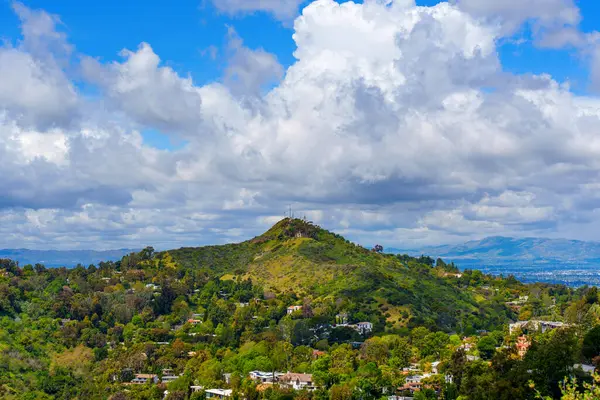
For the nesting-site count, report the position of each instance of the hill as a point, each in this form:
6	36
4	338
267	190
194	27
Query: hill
298	258
62	258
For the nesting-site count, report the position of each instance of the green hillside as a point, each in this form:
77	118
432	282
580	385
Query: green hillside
298	258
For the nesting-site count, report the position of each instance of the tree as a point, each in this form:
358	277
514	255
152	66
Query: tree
591	343
486	347
378	248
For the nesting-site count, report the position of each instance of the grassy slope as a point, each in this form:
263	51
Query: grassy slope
320	264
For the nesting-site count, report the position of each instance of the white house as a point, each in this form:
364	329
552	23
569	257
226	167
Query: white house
265	377
297	381
363	328
536	324
142	379
588	369
218	393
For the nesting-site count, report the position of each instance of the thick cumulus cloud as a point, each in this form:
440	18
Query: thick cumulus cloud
396	124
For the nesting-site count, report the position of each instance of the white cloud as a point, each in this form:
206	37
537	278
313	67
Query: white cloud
510	15
248	71
282	9
34	88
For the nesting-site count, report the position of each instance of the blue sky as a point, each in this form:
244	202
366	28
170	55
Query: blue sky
396	124
182	33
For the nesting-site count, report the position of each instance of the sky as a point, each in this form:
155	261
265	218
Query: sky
403	123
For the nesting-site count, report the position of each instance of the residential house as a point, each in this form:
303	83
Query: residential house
318	354
293	309
196	388
168	376
220	394
341	319
194	321
265	377
297	381
588	369
535	325
364	327
522	345
142	379
434	367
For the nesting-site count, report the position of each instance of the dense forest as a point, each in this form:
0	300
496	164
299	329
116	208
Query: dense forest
337	319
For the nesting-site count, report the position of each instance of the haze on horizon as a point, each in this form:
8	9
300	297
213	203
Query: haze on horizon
392	122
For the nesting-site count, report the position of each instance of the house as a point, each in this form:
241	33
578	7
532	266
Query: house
265	377
227	378
293	309
196	388
434	367
411	387
142	379
341	319
194	321
168	376
588	369
535	325
364	327
297	381
522	345
218	393
242	305
152	286
318	354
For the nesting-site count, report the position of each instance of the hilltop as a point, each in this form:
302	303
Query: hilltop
299	258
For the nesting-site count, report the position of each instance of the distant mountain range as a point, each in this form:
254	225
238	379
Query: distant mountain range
62	258
499	250
570	262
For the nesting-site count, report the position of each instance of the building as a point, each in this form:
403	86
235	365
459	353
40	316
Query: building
364	328
588	369
434	367
142	379
293	309
297	381
318	354
265	377
341	319
196	388
218	393
522	345
168	376
535	325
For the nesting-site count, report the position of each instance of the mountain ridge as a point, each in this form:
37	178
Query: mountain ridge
63	258
502	248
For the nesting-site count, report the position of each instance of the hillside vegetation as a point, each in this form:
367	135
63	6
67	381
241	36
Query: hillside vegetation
171	325
299	258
